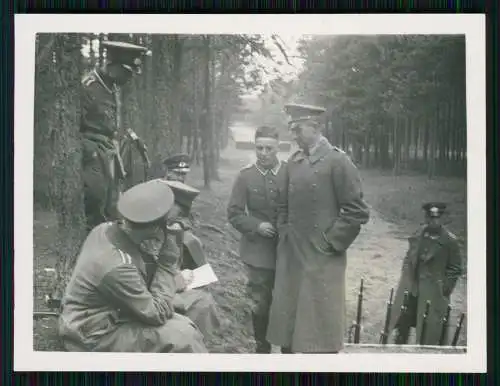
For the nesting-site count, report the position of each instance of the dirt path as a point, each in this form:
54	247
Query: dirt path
375	256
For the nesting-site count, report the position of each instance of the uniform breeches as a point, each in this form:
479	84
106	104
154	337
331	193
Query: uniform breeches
177	335
200	307
260	283
100	194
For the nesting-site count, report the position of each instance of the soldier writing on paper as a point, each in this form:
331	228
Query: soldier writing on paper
197	304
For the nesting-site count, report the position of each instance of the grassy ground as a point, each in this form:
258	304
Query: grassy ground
375	256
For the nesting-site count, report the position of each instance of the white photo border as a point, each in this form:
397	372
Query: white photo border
474	28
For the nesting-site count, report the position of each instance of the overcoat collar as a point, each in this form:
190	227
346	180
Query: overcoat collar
320	150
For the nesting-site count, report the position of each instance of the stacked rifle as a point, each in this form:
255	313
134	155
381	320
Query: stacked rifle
403	330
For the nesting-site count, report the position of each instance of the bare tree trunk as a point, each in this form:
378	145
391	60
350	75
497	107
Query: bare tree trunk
213	149
207	132
366	151
416	132
427	132
396	146
176	89
431	165
408	133
67	186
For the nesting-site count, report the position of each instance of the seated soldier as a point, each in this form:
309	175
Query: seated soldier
113	302
177	167
196	304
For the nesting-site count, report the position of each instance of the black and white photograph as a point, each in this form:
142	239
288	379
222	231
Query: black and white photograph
250	186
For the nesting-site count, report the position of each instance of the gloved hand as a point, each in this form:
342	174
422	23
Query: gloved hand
170	252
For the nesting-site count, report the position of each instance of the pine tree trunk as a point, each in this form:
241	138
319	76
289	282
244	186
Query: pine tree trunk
408	135
416	132
214	143
431	169
207	132
427	127
45	130
396	148
66	183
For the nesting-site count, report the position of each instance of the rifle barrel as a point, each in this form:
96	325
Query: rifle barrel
357	329
457	330
402	316
385	332
444	326
424	322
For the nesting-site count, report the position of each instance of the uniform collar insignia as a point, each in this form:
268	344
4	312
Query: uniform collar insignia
264	172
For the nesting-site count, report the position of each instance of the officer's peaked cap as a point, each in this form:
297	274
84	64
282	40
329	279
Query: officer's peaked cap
300	112
127	54
184	194
178	162
146	202
266	132
434	209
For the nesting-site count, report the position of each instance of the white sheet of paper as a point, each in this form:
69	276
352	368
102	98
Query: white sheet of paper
202	276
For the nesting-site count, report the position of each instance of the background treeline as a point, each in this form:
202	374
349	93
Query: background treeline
394	101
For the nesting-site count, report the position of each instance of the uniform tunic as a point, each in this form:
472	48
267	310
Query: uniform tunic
322	213
102	164
112	303
254	199
430	271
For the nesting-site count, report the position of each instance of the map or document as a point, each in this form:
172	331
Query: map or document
202	276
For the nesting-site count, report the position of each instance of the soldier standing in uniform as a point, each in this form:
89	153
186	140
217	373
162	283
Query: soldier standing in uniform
120	297
252	210
102	164
430	271
321	214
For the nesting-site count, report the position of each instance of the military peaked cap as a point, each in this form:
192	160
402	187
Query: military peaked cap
434	209
146	202
127	54
178	163
299	112
184	195
195	248
266	132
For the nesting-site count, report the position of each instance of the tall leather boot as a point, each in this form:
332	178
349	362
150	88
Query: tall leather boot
402	335
260	330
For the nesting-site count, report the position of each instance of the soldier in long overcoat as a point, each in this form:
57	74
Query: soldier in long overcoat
321	215
430	271
115	301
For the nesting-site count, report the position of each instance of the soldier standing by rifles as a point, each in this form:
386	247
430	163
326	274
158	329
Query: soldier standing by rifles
430	271
102	164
